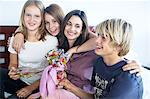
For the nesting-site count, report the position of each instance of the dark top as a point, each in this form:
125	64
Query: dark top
111	82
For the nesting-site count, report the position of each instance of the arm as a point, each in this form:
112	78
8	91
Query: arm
24	92
133	67
18	41
13	65
74	89
87	46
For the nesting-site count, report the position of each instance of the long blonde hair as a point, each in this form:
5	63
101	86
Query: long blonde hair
120	33
23	28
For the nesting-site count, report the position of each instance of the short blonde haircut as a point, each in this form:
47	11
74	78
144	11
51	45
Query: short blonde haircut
23	28
120	33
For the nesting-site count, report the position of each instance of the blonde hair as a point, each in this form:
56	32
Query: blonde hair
23	28
120	33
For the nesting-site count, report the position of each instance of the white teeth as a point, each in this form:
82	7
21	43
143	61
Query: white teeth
70	33
31	24
99	47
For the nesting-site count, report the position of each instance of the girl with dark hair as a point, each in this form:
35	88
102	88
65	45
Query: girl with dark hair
73	34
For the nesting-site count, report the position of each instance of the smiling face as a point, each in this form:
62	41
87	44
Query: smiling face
32	18
52	26
104	46
73	28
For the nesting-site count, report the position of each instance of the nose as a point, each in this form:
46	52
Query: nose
50	25
98	40
32	18
72	28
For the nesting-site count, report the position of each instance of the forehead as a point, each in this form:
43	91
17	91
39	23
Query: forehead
48	16
75	20
33	9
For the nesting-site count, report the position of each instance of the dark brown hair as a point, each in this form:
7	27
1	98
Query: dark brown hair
83	36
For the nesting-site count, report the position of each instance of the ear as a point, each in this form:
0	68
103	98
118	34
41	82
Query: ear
118	47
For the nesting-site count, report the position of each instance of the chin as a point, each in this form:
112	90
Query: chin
97	52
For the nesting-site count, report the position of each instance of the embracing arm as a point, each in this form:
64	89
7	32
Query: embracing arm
133	67
18	41
87	46
74	89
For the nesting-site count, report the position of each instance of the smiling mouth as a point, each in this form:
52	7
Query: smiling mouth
31	24
99	48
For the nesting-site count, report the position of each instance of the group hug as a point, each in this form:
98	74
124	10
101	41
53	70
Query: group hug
56	56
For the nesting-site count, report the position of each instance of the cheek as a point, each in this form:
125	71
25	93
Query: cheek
40	21
58	27
47	27
79	31
65	30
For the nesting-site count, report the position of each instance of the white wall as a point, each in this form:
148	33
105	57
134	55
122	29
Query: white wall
137	12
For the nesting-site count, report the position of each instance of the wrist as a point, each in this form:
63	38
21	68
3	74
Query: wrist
69	86
11	67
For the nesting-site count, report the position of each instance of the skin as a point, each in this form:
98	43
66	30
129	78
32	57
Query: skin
72	31
52	30
105	49
32	19
52	26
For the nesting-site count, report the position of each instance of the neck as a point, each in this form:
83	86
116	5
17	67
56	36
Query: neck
111	59
71	42
33	36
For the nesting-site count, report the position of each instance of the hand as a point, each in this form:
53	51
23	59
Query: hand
72	50
8	41
24	92
133	67
65	83
34	96
18	42
13	73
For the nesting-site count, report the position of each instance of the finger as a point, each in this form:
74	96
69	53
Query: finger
15	77
22	93
18	49
138	74
131	61
130	66
23	46
134	71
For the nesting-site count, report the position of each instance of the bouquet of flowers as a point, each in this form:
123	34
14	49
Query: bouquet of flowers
53	73
57	58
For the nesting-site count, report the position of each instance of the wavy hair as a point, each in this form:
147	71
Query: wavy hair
83	36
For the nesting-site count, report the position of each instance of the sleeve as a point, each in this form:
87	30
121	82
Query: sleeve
10	48
52	41
126	86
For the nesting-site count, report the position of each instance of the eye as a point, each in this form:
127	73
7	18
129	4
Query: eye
77	26
103	36
68	23
37	16
27	14
46	23
54	21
